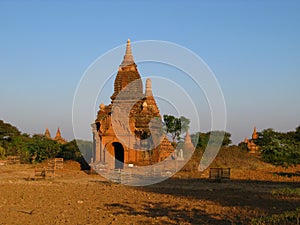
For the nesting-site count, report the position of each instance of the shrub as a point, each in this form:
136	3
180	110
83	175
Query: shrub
286	192
289	217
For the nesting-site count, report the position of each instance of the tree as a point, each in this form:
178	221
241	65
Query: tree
278	148
297	134
200	140
43	148
2	152
70	151
85	148
217	137
175	127
214	137
18	146
281	152
78	150
8	131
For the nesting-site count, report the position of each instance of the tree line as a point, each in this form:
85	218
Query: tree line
37	148
278	148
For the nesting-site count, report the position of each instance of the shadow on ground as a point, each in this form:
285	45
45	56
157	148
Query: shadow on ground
233	193
164	213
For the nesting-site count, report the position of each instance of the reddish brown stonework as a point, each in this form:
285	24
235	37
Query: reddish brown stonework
252	147
47	134
130	128
57	137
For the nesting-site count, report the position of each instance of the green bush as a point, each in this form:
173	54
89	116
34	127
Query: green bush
2	152
286	192
278	148
287	218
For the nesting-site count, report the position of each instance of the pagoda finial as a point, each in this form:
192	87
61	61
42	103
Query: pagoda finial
188	145
254	134
188	138
47	134
128	58
148	87
58	134
58	137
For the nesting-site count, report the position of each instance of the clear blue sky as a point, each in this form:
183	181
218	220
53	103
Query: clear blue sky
253	48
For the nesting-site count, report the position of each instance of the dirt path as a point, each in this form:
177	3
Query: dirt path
74	197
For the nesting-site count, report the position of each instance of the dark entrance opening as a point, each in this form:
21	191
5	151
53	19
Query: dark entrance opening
119	155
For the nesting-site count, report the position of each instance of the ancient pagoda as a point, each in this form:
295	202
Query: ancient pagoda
129	129
252	147
58	138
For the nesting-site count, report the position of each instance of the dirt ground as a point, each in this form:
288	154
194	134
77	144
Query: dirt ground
76	197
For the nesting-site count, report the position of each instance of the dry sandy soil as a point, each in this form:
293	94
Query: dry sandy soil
75	197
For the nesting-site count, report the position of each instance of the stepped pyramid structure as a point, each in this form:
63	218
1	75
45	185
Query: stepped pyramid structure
129	130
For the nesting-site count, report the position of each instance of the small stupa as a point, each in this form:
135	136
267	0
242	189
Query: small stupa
47	134
188	145
57	137
252	147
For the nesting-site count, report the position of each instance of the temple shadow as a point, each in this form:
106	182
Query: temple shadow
287	174
166	213
83	164
232	193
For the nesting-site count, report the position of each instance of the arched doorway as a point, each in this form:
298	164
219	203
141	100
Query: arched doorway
119	155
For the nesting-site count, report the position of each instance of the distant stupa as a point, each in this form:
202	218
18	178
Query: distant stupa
188	145
47	134
254	134
252	147
57	137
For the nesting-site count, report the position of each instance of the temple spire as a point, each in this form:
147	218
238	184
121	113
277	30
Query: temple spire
128	58
188	139
47	134
188	145
59	138
58	134
148	87
254	134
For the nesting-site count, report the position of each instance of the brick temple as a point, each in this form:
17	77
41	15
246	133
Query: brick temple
252	147
58	138
129	129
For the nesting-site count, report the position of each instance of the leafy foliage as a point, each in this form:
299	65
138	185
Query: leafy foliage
69	151
280	149
2	152
215	137
281	153
43	148
38	148
289	217
175	127
297	134
286	192
8	131
76	149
